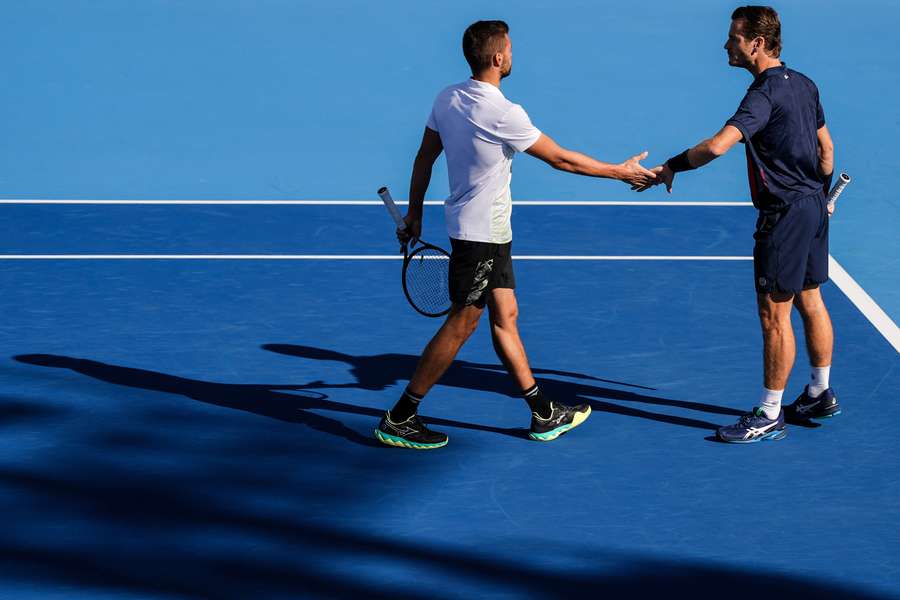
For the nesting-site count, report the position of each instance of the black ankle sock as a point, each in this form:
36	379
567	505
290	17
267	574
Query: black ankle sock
406	406
537	402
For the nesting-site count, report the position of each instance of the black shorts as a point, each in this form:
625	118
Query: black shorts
476	267
791	251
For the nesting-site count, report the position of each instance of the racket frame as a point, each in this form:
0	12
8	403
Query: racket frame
408	256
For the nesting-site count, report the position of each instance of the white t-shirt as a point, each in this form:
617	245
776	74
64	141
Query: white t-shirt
481	131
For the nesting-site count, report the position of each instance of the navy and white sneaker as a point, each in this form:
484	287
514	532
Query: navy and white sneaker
804	408
754	427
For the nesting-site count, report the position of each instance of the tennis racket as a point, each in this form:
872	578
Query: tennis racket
425	269
836	191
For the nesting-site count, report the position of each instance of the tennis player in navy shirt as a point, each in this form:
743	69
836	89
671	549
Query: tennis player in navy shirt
790	159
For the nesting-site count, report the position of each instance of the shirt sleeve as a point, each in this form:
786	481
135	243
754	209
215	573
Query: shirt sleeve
516	129
753	113
432	122
820	113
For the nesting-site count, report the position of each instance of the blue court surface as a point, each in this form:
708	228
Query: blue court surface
188	390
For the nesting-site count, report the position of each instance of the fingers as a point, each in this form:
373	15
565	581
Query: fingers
640	157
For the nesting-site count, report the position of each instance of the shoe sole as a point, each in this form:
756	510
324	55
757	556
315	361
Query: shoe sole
805	419
551	435
399	442
769	437
834	414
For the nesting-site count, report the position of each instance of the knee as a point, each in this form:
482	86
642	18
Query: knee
506	317
774	322
464	325
809	305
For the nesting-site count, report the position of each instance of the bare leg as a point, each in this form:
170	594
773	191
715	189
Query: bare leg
504	310
816	327
779	348
443	347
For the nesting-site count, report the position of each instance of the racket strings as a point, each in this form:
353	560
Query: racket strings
426	279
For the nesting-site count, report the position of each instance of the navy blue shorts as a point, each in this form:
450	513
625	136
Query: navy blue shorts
476	267
791	251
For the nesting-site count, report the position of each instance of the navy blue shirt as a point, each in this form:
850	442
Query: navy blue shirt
780	116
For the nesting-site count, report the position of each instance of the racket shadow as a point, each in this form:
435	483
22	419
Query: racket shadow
381	371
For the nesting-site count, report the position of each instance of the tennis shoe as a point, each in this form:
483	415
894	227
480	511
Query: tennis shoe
411	433
755	426
562	418
805	407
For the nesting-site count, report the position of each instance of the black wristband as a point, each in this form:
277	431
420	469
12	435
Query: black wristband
680	163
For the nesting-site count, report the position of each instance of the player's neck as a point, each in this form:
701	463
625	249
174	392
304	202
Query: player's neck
763	64
491	77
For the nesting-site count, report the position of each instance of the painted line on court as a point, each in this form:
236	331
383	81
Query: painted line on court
866	305
857	295
338	257
362	202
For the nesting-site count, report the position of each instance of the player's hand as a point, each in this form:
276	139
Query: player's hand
413	229
830	208
664	175
634	174
643	188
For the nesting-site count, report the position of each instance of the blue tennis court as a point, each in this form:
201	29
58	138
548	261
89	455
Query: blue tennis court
203	320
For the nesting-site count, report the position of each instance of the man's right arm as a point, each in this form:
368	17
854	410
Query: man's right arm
630	171
429	150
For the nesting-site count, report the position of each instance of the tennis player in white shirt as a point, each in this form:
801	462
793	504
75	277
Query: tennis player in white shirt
480	131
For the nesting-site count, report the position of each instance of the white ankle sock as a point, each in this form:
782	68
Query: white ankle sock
819	383
770	402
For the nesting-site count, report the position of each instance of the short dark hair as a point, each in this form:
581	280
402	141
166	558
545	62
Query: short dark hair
761	21
481	41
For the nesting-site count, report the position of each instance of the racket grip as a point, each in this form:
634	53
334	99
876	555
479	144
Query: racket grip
385	196
838	188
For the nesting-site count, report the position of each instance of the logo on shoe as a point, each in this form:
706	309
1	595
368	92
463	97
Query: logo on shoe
753	432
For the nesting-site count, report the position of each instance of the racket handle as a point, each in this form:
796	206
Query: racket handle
385	196
838	188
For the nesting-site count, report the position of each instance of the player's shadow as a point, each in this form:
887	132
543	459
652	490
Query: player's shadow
282	402
380	371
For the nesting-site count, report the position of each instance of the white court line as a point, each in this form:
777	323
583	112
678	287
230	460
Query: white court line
864	303
857	295
331	257
362	202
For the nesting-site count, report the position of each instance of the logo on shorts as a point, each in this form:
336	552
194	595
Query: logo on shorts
482	272
763	281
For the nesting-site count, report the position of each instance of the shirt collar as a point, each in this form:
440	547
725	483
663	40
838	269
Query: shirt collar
488	87
770	72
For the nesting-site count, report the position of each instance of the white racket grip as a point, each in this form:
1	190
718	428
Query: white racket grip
843	180
392	207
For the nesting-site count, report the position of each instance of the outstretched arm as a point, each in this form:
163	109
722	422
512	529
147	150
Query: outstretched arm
630	171
701	154
429	150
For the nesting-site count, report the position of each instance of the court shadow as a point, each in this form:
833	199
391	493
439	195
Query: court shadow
380	371
169	544
291	403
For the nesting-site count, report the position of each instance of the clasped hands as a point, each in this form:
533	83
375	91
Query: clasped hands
642	179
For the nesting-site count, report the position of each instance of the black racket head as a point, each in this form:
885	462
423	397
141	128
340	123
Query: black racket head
426	280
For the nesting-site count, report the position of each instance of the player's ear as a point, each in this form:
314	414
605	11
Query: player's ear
759	44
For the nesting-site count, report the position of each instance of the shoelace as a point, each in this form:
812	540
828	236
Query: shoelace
747	420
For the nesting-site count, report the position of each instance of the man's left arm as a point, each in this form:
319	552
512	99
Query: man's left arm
826	160
701	154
